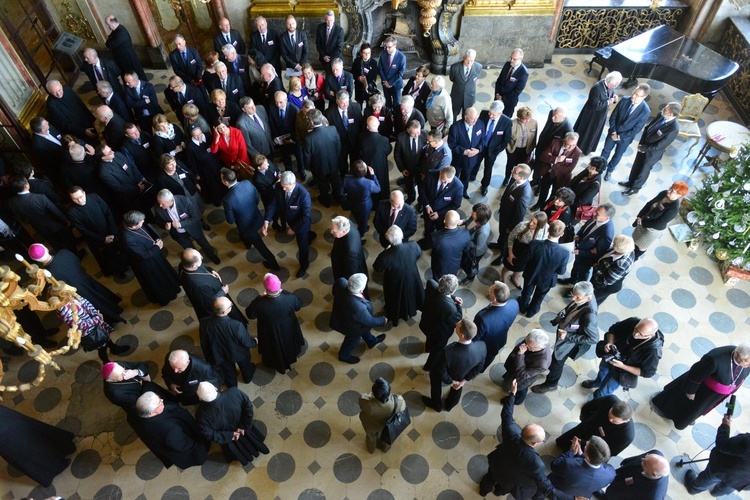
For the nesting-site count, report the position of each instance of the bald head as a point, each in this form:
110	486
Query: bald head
533	435
222	306
452	219
470	116
191	259
373	124
646	328
655	466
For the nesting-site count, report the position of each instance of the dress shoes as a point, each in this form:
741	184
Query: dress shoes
484	191
378	340
311	237
301	272
401	181
214	258
324	201
467	280
466	196
205	226
352	360
626	184
630	192
608	175
429	404
542	388
690	476
568	294
494	246
566	281
272	265
589	384
535	208
118	349
497	261
505	182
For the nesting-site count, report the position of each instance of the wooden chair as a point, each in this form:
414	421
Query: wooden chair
692	108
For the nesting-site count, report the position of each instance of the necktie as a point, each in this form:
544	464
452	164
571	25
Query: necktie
229	40
440	188
468	131
393	216
490	130
235	66
138	91
292	40
413	146
99	76
287	196
328	34
631	108
466	72
390	60
181	97
281	114
224	85
345	120
263	38
510	73
184	58
339	80
255	117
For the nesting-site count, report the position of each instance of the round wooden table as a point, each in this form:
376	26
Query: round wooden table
721	136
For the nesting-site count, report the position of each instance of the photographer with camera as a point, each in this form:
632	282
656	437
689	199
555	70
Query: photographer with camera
631	349
577	331
607	417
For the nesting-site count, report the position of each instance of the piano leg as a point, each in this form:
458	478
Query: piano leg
630	82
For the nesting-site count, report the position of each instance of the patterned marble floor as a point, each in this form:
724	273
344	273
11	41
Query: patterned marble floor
310	414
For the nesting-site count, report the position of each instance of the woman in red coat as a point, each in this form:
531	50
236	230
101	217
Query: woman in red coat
229	144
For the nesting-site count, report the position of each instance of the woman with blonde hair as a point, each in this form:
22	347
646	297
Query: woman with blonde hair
193	119
519	241
222	109
168	138
313	83
297	93
522	140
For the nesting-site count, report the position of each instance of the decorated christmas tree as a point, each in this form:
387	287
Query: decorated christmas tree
721	214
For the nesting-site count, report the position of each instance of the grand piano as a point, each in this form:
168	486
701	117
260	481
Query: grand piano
668	56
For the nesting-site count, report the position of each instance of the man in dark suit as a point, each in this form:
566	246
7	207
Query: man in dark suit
448	244
577	331
556	127
186	62
46	144
253	123
494	321
547	260
282	117
337	79
292	202
241	208
113	132
352	316
527	360
266	41
115	101
123	180
405	113
464	75
555	167
466	140
102	70
229	36
182	372
442	192
391	67
625	122
642	476
728	466
137	145
230	83
374	150
237	65
271	84
583	470
140	96
67	112
121	45
514	465
293	45
409	152
459	363
591	243
329	40
497	134
394	212
445	311
177	215
178	94
513	203
347	256
322	155
606	417
511	82
657	135
346	117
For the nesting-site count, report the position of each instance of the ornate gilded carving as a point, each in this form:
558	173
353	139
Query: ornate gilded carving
428	15
497	8
75	23
735	46
596	28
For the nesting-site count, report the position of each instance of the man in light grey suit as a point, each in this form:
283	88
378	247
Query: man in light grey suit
464	75
255	128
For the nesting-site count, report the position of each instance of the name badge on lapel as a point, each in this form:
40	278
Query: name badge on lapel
182	176
300	44
513	79
568	160
351	120
293	207
183	216
190	101
270	42
235	91
192	61
234	43
659	133
447	198
125	167
500	132
147	145
479	132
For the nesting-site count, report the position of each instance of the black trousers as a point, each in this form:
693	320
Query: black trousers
186	241
489	163
640	170
555	370
436	393
247	369
253	238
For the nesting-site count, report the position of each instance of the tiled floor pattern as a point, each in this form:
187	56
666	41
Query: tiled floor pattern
310	414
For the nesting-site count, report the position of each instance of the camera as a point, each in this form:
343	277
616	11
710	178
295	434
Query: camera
614	353
559	318
730	406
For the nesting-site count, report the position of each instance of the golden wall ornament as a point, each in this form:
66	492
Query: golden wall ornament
428	14
499	8
74	22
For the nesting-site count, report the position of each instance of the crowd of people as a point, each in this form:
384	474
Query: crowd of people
256	124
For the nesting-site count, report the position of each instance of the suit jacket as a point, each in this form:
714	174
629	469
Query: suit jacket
406	219
190	72
509	88
369	70
531	130
493	323
438	326
420	94
347	257
333	85
334	47
459	141
730	459
590	238
267	91
573	475
110	73
190	220
656	215
235	39
294	212
193	95
552	131
46	152
352	314
546	261
235	88
461	361
502	133
513	204
240	67
449	199
656	138
399	125
595	422
322	151
271	50
38	211
137	101
164	181
349	135
297	54
121	178
447	247
141	154
561	171
113	133
117	103
403	156
241	207
69	114
628	124
287	126
582	331
258	138
464	88
393	74
630	482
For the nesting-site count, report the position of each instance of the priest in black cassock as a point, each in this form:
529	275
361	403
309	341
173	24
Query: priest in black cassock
121	45
225	342
65	266
156	275
280	337
203	285
67	112
403	289
92	217
182	372
347	256
36	449
226	418
718	374
206	165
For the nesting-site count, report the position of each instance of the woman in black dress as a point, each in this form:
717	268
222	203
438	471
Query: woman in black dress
222	109
207	167
376	107
560	207
587	183
365	73
655	215
518	246
168	138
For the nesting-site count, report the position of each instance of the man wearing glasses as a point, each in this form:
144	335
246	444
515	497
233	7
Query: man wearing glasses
391	65
626	121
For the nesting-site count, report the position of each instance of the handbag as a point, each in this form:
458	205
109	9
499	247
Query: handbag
396	424
568	235
95	339
586	212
